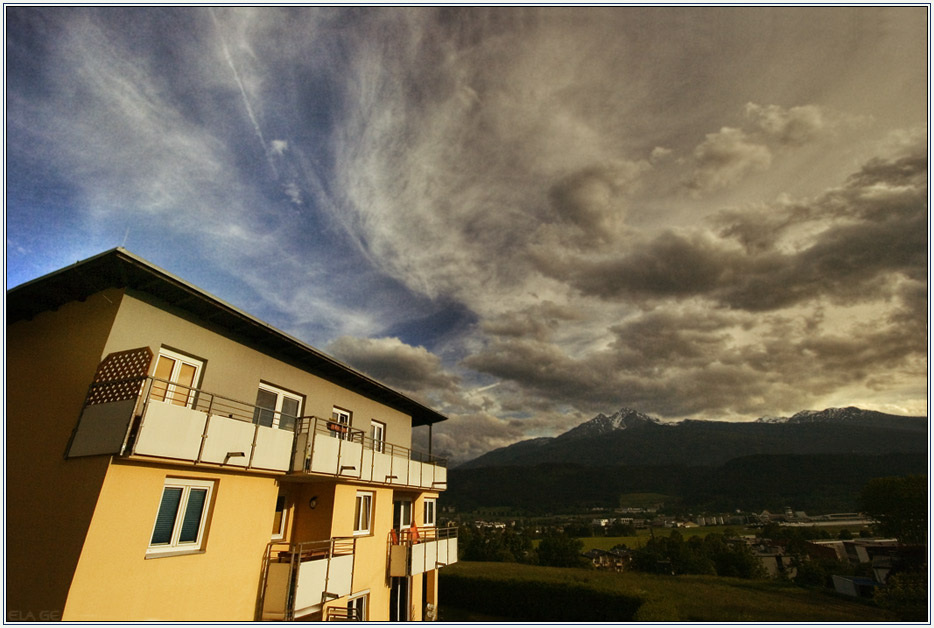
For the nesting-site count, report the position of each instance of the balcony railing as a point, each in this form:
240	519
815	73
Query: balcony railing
328	447
151	417
417	550
301	577
148	416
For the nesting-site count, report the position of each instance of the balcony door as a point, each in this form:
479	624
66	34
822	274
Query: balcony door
175	378
401	514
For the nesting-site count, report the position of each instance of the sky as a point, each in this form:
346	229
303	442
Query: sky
521	217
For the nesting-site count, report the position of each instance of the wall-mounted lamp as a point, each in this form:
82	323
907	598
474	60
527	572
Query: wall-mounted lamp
313	502
234	454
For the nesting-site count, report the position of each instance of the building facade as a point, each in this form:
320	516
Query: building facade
170	457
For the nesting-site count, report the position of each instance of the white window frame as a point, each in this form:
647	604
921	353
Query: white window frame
278	535
360	601
363	516
406	513
281	395
378	435
174	545
180	359
430	514
343	418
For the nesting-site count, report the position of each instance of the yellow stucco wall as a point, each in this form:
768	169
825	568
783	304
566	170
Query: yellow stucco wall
116	581
49	500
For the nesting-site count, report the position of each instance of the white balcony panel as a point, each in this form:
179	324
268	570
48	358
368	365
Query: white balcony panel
273	449
102	428
382	467
440	481
170	431
366	470
415	473
277	592
226	435
325	454
427	475
424	557
450	554
400	469
318	576
351	455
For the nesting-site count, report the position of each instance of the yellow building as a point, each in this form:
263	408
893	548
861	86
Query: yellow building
169	457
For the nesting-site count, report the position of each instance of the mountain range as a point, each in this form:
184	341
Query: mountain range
628	437
815	460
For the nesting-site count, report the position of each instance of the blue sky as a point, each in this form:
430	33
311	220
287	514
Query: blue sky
521	216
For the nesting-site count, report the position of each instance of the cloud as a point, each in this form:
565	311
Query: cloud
725	158
389	360
592	200
796	126
868	230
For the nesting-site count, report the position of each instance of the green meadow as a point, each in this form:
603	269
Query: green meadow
475	591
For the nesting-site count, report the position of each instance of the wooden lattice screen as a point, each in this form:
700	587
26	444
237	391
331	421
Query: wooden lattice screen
119	376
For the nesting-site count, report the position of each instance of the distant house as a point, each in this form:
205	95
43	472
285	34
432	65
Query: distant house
616	559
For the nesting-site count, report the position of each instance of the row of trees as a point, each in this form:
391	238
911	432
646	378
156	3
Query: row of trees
710	555
556	548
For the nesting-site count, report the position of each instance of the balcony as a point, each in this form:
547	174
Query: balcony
301	577
427	548
330	448
155	418
148	417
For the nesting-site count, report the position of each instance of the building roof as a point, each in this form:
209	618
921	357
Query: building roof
118	268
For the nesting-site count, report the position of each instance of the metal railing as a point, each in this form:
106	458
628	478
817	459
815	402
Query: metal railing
421	534
157	389
296	554
149	389
316	427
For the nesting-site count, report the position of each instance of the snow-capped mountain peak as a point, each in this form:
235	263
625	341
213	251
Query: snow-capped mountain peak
624	419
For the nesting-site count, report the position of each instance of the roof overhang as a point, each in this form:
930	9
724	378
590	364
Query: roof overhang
118	268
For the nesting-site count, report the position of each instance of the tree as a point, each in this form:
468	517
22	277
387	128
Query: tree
557	549
899	505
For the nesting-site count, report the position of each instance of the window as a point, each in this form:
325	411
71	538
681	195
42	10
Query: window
175	377
378	434
401	514
339	424
431	505
357	607
363	512
183	511
276	407
279	519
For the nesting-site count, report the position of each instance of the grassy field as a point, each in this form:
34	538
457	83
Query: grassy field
667	598
637	541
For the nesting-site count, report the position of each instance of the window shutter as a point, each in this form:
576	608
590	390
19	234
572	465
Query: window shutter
192	520
165	520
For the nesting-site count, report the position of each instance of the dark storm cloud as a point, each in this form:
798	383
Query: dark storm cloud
413	369
870	229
